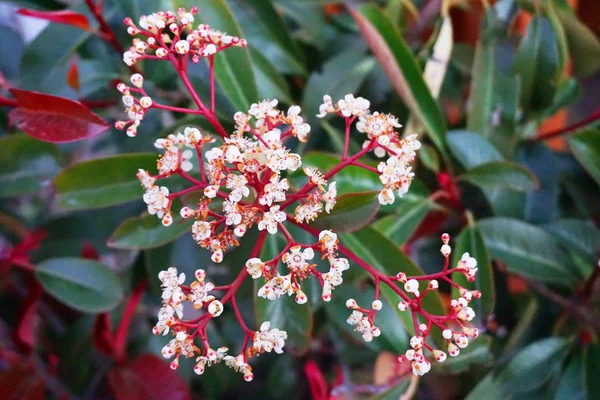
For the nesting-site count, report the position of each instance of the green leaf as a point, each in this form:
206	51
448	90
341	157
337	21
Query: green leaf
591	360
470	240
571	383
44	63
494	90
577	235
429	158
26	165
262	14
85	285
233	68
352	212
393	393
537	63
270	83
384	255
476	354
284	313
339	76
586	148
102	182
497	174
405	74
533	365
584	46
527	250
471	149
488	388
147	231
400	225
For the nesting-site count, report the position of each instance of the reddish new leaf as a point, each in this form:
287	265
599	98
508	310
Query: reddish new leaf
54	119
60	17
73	77
25	333
147	378
18	380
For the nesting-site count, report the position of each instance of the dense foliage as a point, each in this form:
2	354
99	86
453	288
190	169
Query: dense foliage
82	249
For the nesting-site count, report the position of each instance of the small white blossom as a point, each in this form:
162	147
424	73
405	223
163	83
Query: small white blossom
270	220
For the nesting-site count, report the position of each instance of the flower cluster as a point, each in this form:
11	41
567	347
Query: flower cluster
134	107
297	259
170	318
395	173
162	36
363	320
460	315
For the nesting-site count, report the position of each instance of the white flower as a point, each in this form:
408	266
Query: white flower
307	212
376	305
170	282
200	290
446	250
255	267
232	213
297	259
270	220
237	185
447	334
238	364
416	342
146	180
192	136
276	287
157	200
468	264
330	197
274	191
137	80
266	339
211	191
466	314
168	162
326	107
420	366
201	230
386	196
328	240
350	106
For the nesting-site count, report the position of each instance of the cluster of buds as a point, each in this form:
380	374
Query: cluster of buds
459	316
297	258
383	139
134	107
312	204
363	320
167	34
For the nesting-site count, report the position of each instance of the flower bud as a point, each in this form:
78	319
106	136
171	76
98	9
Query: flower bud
447	334
185	212
351	303
160	53
174	364
453	350
215	308
376	305
445	238
239	230
146	102
182	47
446	250
403	306
167	219
423	328
217	256
137	80
439	355
210	191
301	297
401	276
433	284
411	286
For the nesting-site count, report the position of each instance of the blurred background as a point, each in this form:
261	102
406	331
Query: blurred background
489	82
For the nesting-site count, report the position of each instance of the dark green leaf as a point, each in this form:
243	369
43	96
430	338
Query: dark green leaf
147	231
26	165
533	365
262	14
400	225
270	83
488	388
494	90
82	284
591	365
476	354
102	182
571	383
471	241
580	236
339	76
429	158
536	63
527	250
586	148
405	73
471	149
237	82
352	212
497	174
393	393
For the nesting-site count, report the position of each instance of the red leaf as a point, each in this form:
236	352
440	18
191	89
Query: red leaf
25	333
60	17
103	339
54	119
73	77
147	378
19	381
316	381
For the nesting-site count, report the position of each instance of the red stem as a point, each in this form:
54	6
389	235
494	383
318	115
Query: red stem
569	129
120	338
211	63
